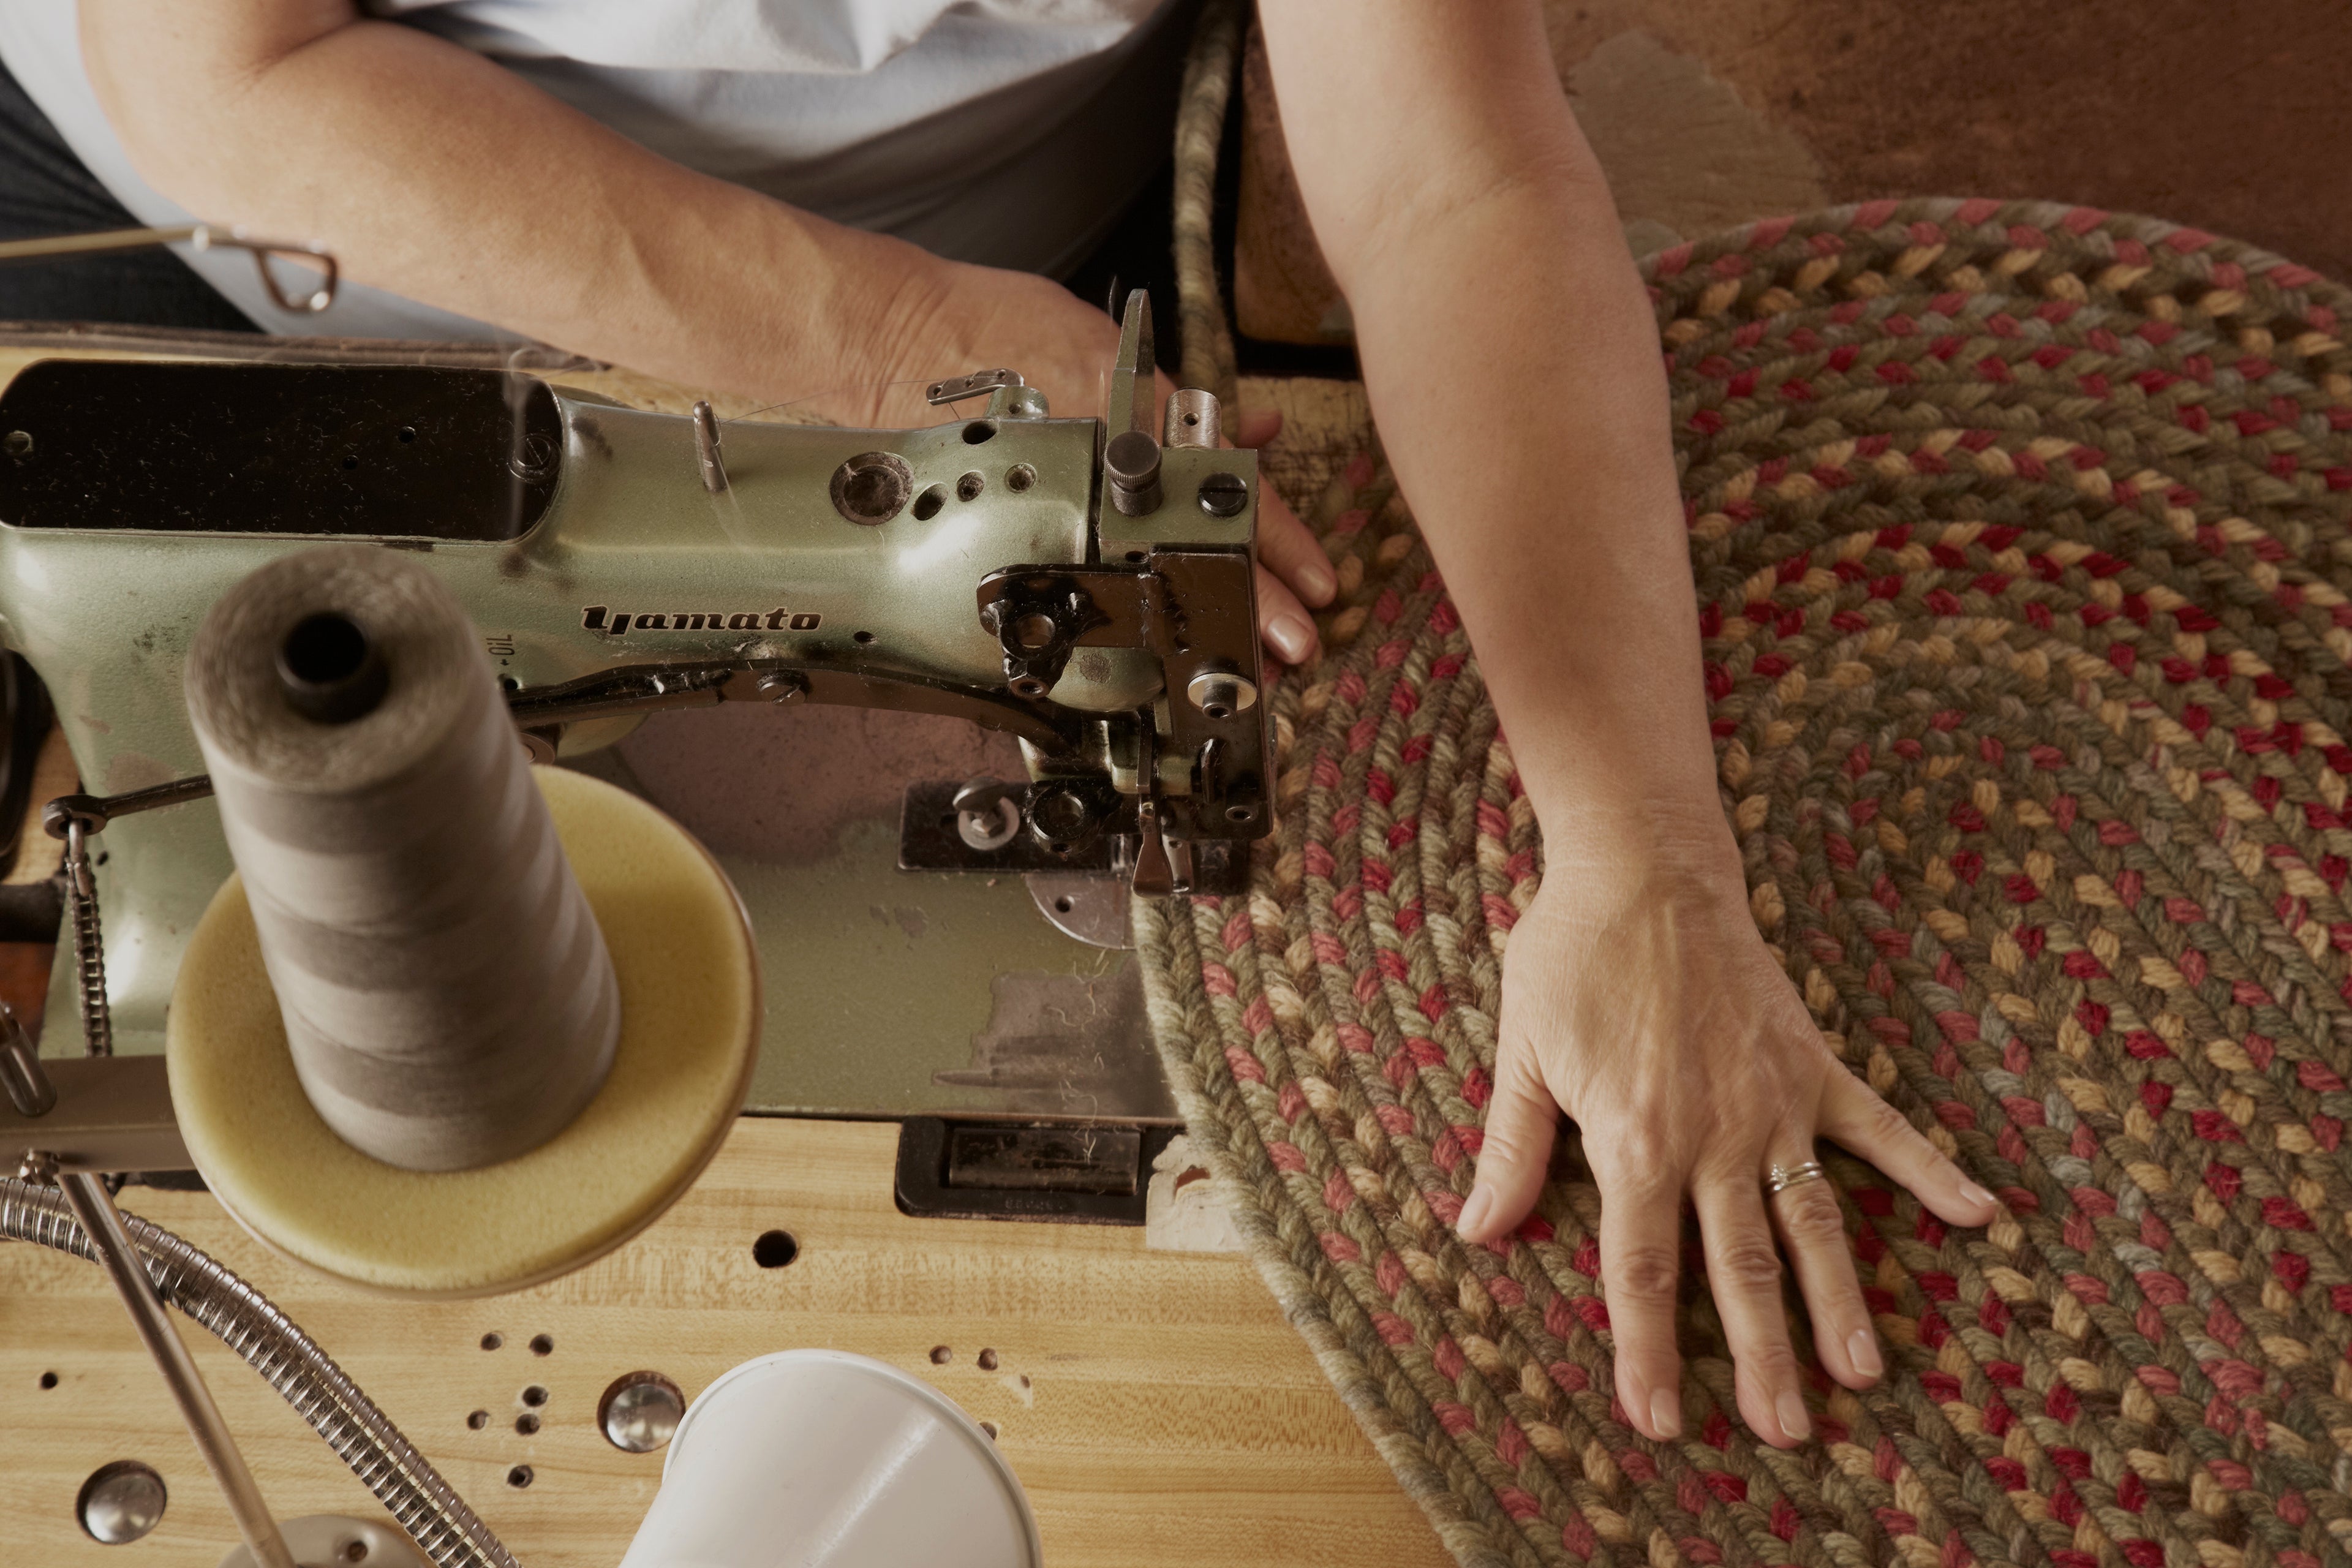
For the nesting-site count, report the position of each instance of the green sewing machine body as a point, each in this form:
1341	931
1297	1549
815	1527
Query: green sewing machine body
977	567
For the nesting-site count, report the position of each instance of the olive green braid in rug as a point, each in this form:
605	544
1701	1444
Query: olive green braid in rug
2019	534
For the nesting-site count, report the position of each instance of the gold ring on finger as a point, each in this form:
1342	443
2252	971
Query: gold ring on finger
1780	1178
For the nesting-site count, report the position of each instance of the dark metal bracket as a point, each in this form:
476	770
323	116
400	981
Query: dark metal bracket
930	838
1195	611
1075	1173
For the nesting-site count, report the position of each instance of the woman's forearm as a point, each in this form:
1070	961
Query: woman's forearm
431	171
1509	353
1526	417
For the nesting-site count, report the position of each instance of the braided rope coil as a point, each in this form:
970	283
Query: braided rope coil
2020	536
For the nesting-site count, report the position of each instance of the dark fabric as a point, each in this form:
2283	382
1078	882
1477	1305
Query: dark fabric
45	190
1139	252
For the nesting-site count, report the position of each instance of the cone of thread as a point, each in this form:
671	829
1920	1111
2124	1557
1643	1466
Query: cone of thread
447	996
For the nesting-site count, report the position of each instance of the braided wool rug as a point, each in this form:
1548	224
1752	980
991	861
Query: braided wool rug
2020	533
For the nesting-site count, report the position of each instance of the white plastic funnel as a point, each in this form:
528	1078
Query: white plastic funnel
820	1459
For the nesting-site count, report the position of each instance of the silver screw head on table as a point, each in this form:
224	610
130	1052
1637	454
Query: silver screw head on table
120	1502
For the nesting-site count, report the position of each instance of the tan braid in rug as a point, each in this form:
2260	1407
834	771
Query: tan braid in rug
2020	538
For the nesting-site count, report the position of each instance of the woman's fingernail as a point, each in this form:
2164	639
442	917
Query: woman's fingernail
1293	638
1318	582
1791	1408
1863	1346
1666	1413
1977	1195
1474	1211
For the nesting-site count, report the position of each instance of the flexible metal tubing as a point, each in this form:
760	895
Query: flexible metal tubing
246	1321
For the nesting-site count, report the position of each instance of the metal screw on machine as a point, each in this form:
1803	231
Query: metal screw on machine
784	686
1132	459
1220	694
706	450
870	488
987	816
1224	495
533	458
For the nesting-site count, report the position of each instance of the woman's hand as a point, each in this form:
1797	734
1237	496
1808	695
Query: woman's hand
1638	997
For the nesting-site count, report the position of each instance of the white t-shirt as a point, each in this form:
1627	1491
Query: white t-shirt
1011	132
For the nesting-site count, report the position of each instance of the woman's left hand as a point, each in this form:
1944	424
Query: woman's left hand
1638	997
1292	571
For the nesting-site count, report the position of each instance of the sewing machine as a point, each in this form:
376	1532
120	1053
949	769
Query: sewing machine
1082	585
222	468
1079	585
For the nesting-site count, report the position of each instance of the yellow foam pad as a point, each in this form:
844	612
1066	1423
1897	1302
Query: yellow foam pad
689	1030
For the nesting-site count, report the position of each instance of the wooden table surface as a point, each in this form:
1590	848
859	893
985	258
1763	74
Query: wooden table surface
1155	1405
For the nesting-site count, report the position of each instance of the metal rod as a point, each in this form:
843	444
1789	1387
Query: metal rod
30	1092
95	1210
202	237
98	244
706	450
94	812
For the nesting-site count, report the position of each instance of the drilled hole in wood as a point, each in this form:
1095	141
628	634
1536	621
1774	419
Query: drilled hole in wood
535	1396
492	1341
988	1361
520	1476
540	1345
989	1427
777	1249
479	1419
526	1424
941	1355
48	1379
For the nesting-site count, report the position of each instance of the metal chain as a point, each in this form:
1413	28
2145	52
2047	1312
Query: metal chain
90	950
